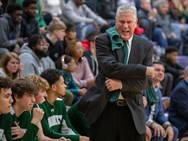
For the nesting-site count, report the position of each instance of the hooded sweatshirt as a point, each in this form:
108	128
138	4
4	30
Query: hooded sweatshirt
9	33
32	63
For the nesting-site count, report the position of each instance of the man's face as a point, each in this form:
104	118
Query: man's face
146	5
172	57
71	34
26	102
60	87
41	48
59	34
5	100
31	10
42	45
159	72
79	2
40	97
164	9
17	16
126	24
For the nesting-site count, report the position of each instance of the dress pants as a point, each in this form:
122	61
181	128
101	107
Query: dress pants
115	124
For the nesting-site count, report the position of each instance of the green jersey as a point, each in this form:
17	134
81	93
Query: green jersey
78	120
5	127
24	121
55	122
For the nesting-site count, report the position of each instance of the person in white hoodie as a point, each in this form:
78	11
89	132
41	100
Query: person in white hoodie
34	56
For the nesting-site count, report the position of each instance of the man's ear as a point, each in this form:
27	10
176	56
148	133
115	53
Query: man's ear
16	98
167	55
53	87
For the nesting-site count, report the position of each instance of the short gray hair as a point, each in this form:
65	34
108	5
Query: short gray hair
127	8
159	3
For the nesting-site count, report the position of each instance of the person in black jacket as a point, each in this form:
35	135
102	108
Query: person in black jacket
114	103
171	65
29	25
10	29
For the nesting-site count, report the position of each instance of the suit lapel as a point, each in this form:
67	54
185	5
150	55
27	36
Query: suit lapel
119	54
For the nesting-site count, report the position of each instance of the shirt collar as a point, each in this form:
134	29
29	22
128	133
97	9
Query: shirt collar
129	42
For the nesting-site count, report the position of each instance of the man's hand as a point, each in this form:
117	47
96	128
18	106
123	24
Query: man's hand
63	139
84	138
145	102
148	133
150	72
37	115
82	91
20	41
90	82
158	130
17	132
16	49
170	133
113	84
153	14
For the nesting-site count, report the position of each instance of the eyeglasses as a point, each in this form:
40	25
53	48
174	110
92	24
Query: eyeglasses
47	44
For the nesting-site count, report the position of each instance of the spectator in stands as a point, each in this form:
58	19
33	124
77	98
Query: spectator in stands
107	10
166	83
39	16
67	65
5	104
71	87
10	65
54	8
163	20
146	20
171	65
83	17
55	39
4	5
34	56
55	109
83	75
29	25
70	33
183	10
10	29
155	118
178	110
90	52
1	8
134	2
174	11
